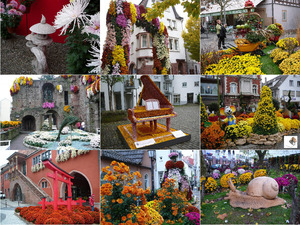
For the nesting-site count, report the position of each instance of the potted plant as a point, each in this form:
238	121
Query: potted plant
277	31
11	15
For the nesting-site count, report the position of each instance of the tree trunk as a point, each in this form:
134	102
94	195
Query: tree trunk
261	156
295	210
203	165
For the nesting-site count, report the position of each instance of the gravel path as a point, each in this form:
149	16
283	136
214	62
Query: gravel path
16	57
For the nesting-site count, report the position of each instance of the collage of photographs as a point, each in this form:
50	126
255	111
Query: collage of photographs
150	112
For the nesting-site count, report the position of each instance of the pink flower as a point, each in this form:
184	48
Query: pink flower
19	13
12	12
2	10
1	4
22	8
138	11
14	3
121	20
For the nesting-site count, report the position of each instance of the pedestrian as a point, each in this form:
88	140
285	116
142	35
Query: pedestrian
82	125
78	125
92	201
221	33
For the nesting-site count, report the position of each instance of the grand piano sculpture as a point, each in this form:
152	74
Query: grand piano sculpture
157	106
59	175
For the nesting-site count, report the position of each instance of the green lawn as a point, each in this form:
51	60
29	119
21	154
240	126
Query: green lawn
268	66
273	215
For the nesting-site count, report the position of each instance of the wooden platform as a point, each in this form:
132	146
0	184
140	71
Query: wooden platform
161	137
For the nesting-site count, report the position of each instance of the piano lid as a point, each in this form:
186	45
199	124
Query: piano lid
151	91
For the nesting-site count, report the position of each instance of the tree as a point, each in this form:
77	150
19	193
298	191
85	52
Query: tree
276	103
111	81
192	38
192	7
261	155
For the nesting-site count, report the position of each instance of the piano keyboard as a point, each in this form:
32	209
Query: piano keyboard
154	117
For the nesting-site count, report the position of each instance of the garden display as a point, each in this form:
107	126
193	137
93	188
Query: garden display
116	51
228	112
261	193
277	31
144	129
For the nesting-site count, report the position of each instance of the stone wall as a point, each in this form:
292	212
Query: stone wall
29	102
10	134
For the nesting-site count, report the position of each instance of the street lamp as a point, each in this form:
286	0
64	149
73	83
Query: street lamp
151	155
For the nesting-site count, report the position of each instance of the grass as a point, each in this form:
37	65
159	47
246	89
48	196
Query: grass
273	215
268	66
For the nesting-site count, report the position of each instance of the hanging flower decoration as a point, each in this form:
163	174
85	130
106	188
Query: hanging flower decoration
48	105
67	108
74	89
88	79
59	88
93	89
66	76
120	18
179	164
21	81
169	164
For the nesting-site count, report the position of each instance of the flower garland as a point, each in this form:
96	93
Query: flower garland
59	88
48	105
120	18
21	81
93	89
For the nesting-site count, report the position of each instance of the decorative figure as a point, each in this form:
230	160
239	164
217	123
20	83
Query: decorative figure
38	40
228	111
261	193
68	121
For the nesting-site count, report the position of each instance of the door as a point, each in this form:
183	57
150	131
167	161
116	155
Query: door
190	97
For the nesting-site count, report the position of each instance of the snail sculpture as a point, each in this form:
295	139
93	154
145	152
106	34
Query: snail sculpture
261	193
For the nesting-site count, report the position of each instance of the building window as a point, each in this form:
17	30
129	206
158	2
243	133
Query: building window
146	180
102	181
144	41
291	83
48	92
66	98
46	155
254	89
171	44
132	48
298	83
176	99
174	44
284	16
60	152
169	23
196	84
150	41
298	94
293	94
184	84
36	160
174	24
285	93
6	176
44	184
233	88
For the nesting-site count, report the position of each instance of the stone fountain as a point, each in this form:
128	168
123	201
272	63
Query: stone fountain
38	40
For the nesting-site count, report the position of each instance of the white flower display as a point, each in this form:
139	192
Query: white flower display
227	171
65	142
34	141
95	142
73	153
93	25
65	130
47	136
95	61
73	13
241	171
82	152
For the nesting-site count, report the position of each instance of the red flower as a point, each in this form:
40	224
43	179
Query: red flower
169	164
75	89
52	221
142	9
88	218
66	220
77	219
179	165
126	9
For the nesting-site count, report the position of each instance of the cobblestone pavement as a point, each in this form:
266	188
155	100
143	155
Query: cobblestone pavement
210	42
16	57
187	120
17	143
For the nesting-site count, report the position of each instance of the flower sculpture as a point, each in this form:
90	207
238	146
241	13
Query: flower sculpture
21	81
120	18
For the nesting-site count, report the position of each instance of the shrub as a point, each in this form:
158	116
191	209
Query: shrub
210	184
52	221
213	107
288	44
265	118
77	219
191	208
291	178
245	178
282	182
96	216
18	209
66	220
204	116
87	218
212	137
260	173
226	177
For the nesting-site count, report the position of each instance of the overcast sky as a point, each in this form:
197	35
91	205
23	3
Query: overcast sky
4	155
104	6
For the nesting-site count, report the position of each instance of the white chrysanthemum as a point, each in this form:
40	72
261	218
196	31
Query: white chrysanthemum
95	61
73	12
93	26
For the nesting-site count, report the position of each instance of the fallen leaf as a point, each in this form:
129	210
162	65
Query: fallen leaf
242	216
222	216
216	213
258	210
250	210
268	214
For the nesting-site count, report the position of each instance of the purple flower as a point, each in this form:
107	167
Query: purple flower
14	3
2	10
1	4
193	217
282	182
12	12
22	8
216	175
72	88
291	178
138	12
48	105
121	20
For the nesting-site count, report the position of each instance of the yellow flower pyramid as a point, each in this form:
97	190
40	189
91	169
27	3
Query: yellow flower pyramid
204	116
265	119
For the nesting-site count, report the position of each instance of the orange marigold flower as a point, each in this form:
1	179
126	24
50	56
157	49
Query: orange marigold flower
113	201
124	218
128	195
104	170
129	216
120	201
117	184
113	163
108	216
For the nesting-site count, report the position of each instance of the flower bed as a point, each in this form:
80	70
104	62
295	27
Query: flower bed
78	215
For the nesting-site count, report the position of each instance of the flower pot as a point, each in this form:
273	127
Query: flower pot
11	30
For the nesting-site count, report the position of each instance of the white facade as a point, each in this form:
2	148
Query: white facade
179	89
141	42
5	107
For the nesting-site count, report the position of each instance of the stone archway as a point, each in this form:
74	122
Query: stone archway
81	187
17	194
55	117
28	123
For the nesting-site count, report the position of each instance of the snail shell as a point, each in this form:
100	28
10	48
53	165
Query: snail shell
265	187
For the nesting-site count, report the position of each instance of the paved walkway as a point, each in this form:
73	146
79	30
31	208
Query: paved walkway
7	210
17	143
187	120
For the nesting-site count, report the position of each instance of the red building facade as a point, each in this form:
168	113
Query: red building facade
27	180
